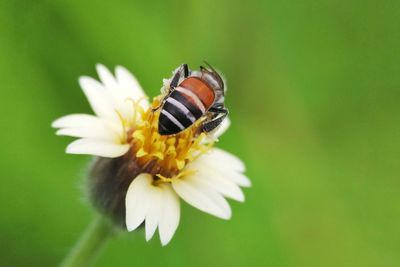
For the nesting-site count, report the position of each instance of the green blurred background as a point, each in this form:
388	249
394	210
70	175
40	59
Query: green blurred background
314	90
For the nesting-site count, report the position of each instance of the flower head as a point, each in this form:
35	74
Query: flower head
139	175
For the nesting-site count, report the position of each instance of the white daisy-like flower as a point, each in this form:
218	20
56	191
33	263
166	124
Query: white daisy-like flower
139	175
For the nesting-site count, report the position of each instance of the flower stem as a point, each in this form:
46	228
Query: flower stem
90	244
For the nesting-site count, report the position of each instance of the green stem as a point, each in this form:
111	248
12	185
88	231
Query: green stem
89	245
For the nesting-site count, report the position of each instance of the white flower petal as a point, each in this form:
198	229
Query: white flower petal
226	170
106	77
87	126
83	125
170	214
98	98
224	160
136	201
95	147
239	178
112	89
219	181
115	93
154	202
131	86
100	133
156	205
74	120
202	197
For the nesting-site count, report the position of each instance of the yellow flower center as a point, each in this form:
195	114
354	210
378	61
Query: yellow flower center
164	156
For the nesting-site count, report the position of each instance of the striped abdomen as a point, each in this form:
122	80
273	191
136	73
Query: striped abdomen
185	105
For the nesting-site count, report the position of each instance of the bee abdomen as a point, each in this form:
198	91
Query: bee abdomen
195	108
200	90
168	124
185	105
177	114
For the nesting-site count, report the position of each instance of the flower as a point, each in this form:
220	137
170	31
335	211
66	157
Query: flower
139	176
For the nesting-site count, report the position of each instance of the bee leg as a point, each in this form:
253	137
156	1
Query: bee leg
186	70
162	102
218	114
183	70
158	107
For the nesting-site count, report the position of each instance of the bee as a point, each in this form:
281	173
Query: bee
192	95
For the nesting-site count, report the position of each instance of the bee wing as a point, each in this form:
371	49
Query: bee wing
212	77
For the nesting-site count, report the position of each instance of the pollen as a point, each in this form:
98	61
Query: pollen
164	156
